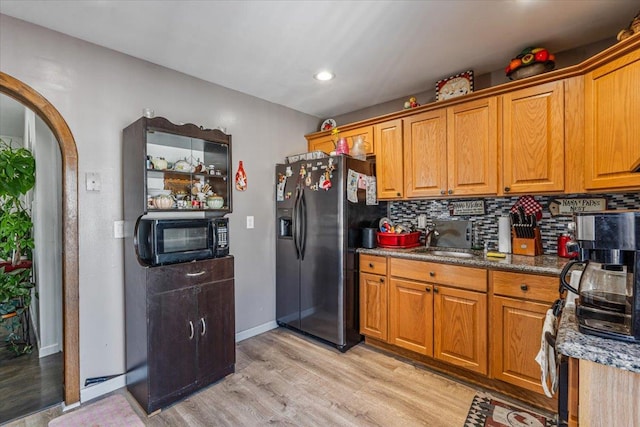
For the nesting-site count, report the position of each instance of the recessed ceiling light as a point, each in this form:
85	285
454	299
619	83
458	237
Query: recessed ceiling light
324	76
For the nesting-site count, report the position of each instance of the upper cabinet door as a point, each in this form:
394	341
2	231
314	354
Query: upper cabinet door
472	147
533	144
612	128
325	142
425	154
389	166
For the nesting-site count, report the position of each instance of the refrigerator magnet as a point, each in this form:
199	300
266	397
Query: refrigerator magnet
352	186
325	181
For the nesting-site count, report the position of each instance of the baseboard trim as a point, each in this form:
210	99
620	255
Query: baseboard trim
260	329
97	390
49	350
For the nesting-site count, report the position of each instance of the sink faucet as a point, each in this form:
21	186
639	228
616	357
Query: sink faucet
429	232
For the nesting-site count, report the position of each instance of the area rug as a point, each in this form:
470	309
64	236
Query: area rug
113	411
488	411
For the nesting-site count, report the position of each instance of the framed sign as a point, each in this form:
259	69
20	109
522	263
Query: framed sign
470	207
570	206
458	85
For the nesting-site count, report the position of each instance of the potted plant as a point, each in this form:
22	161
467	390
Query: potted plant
17	177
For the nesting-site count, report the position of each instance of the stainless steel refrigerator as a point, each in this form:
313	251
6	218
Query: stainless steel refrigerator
317	233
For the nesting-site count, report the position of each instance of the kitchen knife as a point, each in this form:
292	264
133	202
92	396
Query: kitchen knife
521	215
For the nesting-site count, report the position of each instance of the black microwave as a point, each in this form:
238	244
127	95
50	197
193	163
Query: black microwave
170	241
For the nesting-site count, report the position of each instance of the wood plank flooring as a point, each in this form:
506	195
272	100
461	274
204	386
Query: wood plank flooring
29	383
287	379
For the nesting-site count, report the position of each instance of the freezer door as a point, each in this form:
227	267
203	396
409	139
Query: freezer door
322	267
287	271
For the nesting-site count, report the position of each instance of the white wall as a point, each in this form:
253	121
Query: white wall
99	92
46	211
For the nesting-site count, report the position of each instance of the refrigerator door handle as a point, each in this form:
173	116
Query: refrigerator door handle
303	224
294	222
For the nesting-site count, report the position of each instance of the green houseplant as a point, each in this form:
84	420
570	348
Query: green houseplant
17	177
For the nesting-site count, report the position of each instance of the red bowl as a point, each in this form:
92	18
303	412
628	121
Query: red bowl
398	241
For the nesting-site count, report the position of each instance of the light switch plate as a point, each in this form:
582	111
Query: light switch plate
93	181
250	221
118	229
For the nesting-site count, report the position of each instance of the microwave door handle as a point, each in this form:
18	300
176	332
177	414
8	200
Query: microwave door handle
294	223
303	225
215	238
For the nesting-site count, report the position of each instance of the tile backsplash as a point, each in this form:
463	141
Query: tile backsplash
485	227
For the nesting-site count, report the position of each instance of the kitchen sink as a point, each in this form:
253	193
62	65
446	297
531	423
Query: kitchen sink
451	254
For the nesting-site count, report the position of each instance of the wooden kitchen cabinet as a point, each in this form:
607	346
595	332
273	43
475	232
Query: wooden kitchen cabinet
180	330
612	128
533	139
325	141
374	296
519	305
472	148
460	328
446	322
450	151
389	165
425	154
411	315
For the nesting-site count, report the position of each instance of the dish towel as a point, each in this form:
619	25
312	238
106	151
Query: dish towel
530	206
546	357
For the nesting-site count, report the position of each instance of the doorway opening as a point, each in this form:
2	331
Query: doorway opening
27	96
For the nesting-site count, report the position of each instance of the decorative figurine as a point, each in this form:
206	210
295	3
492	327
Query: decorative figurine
241	178
411	103
633	28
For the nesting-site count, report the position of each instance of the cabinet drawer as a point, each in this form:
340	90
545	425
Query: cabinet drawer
443	274
176	276
373	264
527	286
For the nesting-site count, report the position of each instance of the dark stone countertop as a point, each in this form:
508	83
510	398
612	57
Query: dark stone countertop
573	343
541	264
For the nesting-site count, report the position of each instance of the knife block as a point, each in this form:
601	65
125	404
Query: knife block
527	245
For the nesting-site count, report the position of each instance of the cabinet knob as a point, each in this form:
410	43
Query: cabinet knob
370	265
427	289
398	194
382	280
442	192
435	290
450	191
524	287
432	273
507	189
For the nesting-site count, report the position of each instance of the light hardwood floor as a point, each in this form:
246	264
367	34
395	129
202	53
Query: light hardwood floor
284	378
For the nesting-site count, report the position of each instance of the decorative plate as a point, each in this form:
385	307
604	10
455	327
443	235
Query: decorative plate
328	124
451	87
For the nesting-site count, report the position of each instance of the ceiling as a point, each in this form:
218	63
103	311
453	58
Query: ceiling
379	50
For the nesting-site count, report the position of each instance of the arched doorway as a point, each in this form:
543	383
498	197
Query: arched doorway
69	154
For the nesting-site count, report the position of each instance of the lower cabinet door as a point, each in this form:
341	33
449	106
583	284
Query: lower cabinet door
516	341
460	328
373	306
172	342
411	316
216	331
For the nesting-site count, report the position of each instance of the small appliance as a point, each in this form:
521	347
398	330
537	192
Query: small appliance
169	241
608	302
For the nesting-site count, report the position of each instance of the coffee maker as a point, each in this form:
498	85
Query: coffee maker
608	302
